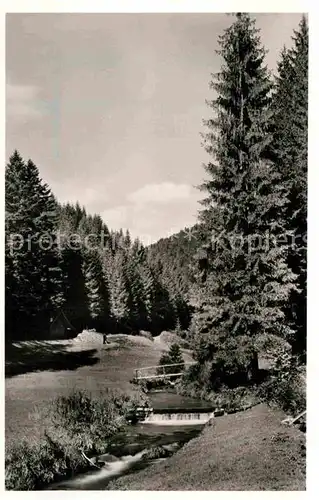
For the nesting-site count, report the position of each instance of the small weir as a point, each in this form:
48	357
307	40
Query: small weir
173	421
179	417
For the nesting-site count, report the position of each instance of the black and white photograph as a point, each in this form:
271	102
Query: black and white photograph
155	238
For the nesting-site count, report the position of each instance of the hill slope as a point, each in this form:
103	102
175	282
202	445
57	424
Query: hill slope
250	450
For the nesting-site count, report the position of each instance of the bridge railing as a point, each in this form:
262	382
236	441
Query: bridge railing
161	371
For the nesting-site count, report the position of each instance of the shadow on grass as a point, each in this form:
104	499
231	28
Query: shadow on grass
34	356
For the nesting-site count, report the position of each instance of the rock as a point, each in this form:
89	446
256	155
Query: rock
171	448
156	452
107	458
211	421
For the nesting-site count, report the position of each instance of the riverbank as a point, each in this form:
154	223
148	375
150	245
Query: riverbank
49	369
249	450
135	449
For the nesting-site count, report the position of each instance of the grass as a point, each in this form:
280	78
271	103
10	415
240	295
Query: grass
27	394
250	450
33	356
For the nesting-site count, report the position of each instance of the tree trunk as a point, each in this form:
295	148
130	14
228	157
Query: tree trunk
253	368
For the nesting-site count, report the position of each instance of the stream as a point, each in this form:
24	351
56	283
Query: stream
126	450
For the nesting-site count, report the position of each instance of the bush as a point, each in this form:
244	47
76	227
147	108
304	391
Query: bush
156	452
173	357
32	467
237	399
86	422
230	399
196	383
148	385
129	406
286	393
89	422
80	423
286	388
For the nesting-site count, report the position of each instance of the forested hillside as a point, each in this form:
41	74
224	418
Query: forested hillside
236	276
58	256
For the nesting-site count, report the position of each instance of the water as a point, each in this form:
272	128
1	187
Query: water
127	448
170	408
161	400
178	418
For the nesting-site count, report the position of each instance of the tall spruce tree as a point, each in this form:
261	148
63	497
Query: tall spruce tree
243	279
33	263
138	310
149	290
119	291
96	289
290	122
75	290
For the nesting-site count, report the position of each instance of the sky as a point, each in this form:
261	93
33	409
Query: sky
110	108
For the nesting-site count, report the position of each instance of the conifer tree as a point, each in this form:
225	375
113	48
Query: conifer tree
75	291
127	240
172	357
138	311
96	289
243	281
290	130
148	283
34	265
120	299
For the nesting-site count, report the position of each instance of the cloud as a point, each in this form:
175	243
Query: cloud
69	191
164	192
148	211
92	197
117	217
22	102
149	223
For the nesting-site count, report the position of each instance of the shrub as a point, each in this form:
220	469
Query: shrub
285	388
31	467
286	393
80	423
86	422
182	334
196	382
236	399
89	422
129	406
156	452
173	357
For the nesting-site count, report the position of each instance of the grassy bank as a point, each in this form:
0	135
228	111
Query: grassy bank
55	368
81	425
250	450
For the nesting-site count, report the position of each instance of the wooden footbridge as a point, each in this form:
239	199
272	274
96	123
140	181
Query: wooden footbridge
162	371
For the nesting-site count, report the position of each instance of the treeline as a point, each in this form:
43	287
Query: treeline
173	260
60	257
250	287
239	275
